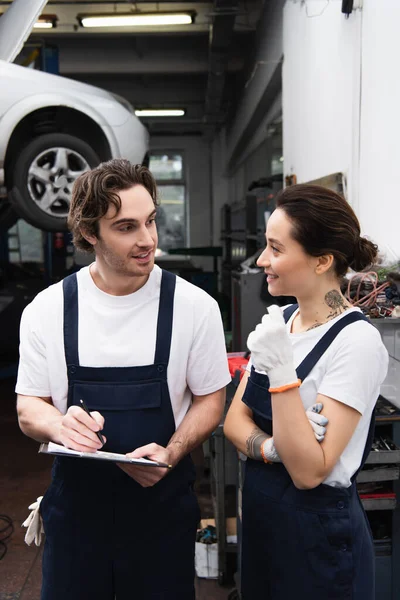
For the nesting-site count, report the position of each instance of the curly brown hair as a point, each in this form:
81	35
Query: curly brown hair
95	190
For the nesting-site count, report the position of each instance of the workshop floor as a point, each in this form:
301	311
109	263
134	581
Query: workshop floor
23	476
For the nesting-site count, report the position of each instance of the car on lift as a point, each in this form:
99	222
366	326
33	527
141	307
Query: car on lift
52	129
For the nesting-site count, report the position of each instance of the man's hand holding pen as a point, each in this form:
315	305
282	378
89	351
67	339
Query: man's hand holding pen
145	476
80	429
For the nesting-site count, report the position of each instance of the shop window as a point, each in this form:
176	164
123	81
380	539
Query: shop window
168	169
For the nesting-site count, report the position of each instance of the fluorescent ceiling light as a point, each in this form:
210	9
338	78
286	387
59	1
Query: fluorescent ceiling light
42	25
160	112
137	19
46	22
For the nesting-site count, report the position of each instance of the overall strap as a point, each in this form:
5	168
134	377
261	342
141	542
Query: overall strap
287	313
165	318
70	290
313	357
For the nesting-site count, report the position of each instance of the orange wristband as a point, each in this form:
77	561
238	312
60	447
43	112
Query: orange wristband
265	459
285	388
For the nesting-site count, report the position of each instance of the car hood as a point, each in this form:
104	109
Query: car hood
38	81
16	25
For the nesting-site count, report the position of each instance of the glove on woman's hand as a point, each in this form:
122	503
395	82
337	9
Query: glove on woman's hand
271	349
317	421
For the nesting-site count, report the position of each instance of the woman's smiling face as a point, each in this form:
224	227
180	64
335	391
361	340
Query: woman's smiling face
290	270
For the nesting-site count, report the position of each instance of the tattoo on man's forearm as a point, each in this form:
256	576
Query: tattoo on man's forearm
253	443
177	442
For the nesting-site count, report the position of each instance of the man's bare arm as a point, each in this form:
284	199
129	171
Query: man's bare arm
39	419
204	416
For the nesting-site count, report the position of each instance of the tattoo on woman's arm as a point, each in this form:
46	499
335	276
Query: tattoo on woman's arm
253	443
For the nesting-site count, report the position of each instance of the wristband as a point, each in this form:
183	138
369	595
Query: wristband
265	459
285	388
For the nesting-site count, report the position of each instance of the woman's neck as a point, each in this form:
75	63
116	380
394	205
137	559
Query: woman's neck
315	311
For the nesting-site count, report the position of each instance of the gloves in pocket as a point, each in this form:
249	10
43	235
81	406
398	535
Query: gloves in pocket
34	524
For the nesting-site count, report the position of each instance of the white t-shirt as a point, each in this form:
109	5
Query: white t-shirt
351	371
120	331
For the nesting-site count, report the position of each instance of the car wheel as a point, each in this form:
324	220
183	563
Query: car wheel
43	176
8	217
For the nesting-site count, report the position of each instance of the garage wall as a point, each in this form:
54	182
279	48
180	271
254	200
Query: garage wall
379	208
341	106
340	102
321	90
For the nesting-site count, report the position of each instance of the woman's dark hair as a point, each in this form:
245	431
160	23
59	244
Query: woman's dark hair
324	223
94	191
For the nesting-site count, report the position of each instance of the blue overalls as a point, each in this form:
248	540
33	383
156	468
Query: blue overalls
313	544
106	536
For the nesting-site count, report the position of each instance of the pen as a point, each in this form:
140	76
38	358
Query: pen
85	408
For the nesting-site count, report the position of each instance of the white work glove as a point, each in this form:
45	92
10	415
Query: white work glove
318	423
271	350
34	523
269	452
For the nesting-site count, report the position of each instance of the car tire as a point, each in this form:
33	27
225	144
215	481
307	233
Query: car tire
8	216
43	176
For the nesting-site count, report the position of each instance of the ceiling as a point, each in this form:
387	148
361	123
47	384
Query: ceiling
199	67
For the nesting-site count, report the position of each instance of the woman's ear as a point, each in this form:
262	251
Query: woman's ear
324	263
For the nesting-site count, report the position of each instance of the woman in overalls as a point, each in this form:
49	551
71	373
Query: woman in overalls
305	533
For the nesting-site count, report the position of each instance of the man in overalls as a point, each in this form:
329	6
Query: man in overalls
145	351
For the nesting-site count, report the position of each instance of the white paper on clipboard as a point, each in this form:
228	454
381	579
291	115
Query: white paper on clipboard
59	450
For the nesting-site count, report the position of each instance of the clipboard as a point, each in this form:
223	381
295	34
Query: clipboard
59	450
